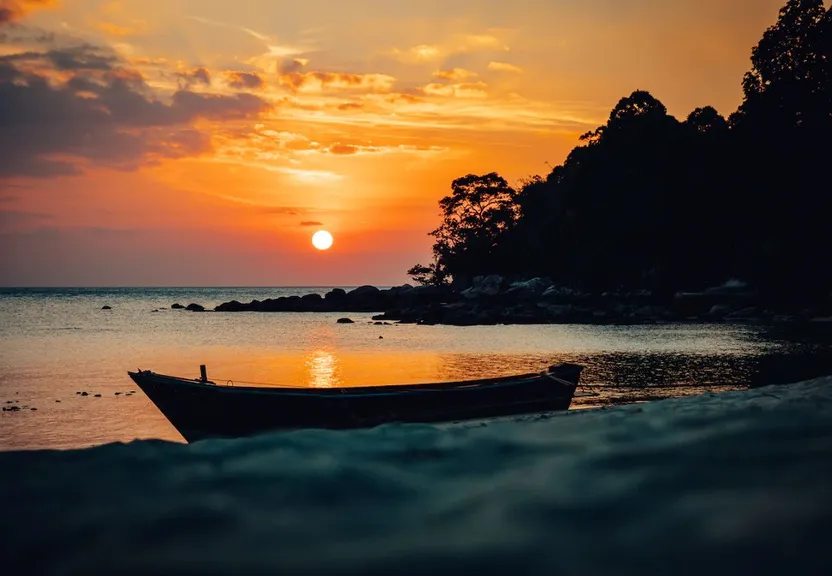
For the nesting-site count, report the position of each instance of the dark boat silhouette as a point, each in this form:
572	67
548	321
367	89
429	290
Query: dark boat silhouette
199	408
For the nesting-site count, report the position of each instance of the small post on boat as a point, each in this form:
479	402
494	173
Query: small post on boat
203	373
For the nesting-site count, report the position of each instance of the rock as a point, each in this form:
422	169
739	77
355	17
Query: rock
534	285
57	400
177	306
368	299
117	394
363	292
344	321
85	394
336	295
33	409
106	307
560	294
232	306
312	298
484	286
744	314
720	310
98	395
195	308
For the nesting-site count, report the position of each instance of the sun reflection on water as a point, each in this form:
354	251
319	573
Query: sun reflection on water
322	370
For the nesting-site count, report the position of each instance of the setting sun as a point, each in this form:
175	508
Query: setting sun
322	240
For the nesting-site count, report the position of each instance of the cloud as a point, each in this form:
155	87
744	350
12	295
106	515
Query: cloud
481	41
65	107
463	90
290	65
310	176
504	67
339	149
343	149
13	10
137	28
274	48
286	210
79	58
460	43
318	81
311	223
455	74
241	80
196	76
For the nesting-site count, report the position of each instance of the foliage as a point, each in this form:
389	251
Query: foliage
647	201
475	217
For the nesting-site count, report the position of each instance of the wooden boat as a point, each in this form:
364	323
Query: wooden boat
201	409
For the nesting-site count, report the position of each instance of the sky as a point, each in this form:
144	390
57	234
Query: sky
203	142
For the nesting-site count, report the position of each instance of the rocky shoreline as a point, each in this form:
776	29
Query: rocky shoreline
492	300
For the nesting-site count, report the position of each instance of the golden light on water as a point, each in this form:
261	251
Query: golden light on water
322	240
322	370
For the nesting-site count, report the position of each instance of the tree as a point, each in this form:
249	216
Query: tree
790	76
475	216
707	121
646	201
783	127
429	275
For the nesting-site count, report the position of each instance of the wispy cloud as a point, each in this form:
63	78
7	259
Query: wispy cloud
457	44
461	90
455	74
12	10
318	81
504	67
274	48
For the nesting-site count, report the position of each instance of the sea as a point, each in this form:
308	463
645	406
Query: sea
58	343
698	448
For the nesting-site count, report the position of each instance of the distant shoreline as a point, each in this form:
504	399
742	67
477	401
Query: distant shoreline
493	301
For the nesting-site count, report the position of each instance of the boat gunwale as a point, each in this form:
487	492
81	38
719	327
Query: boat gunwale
358	391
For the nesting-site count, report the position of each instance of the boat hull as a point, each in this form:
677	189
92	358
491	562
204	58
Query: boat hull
201	409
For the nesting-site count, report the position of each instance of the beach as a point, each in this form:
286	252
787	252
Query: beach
728	483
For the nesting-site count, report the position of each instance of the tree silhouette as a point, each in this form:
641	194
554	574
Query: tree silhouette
479	210
647	201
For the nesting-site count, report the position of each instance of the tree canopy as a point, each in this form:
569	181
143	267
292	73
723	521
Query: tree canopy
648	201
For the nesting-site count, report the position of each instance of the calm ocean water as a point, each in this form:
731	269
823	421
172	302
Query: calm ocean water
55	343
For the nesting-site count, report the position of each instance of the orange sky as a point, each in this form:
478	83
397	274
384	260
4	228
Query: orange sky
202	142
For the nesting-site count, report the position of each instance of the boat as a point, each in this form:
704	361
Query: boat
199	408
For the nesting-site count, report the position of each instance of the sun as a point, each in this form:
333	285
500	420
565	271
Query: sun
322	240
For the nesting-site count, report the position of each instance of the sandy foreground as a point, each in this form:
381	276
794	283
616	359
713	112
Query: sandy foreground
734	482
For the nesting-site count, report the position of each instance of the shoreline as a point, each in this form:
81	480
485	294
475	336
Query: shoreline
492	301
